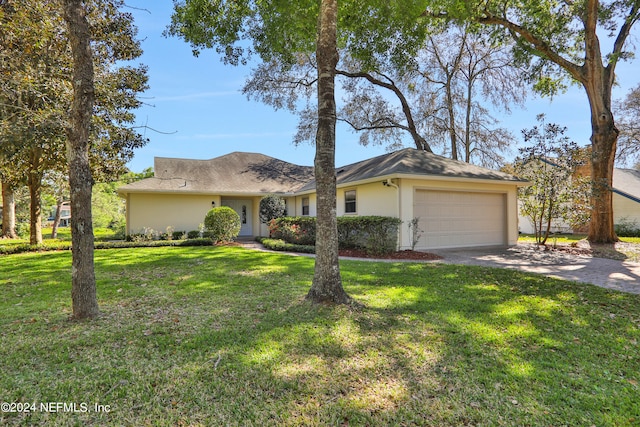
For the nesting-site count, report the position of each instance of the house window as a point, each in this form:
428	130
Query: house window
305	206
350	201
244	214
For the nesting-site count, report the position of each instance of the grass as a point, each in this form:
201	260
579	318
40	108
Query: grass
222	336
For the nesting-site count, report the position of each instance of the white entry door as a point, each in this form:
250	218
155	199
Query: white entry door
243	209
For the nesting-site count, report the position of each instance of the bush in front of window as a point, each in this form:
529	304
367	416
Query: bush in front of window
374	234
294	229
223	223
272	206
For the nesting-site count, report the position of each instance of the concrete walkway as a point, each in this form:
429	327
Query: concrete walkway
607	273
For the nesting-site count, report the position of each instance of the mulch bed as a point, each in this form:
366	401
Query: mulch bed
408	254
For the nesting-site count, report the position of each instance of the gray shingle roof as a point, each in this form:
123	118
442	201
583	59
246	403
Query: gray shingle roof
411	161
244	173
251	173
626	182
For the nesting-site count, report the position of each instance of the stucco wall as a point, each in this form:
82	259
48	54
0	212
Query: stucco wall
159	211
625	209
371	199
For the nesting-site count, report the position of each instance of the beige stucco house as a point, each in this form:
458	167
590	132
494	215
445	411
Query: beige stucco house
458	204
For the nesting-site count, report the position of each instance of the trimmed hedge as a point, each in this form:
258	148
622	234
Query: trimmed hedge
374	234
294	229
65	246
281	245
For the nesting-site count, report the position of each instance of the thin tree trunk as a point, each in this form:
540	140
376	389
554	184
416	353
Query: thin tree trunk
83	282
56	219
35	211
327	283
8	212
453	136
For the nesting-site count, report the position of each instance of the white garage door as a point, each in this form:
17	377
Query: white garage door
452	219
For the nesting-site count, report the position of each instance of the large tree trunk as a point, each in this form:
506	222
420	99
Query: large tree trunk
8	212
598	81
83	281
327	283
603	146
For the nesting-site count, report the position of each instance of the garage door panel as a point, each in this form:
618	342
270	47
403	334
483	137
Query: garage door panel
458	219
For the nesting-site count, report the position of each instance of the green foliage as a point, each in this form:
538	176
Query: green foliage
299	230
556	192
281	245
223	223
272	206
365	29
374	234
627	228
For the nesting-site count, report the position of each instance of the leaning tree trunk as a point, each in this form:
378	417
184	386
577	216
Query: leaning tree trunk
327	283
56	218
83	281
8	212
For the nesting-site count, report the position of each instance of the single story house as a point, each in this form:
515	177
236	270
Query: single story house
458	204
626	203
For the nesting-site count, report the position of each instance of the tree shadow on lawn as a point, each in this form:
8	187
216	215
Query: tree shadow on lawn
455	345
525	346
433	345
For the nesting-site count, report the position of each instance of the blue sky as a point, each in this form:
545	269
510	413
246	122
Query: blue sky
197	105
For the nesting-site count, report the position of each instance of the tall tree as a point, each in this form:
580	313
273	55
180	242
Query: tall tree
38	95
549	161
83	281
285	31
560	40
629	112
439	98
327	282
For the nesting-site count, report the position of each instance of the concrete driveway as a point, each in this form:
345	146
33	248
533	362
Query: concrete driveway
607	273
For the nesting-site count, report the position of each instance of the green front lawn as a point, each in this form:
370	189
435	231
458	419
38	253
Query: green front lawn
208	336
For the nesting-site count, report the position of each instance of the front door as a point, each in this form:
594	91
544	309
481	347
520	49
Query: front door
243	209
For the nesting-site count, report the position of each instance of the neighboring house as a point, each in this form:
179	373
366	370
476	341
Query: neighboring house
65	215
458	204
626	196
626	203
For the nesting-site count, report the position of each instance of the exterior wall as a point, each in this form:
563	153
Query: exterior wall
371	199
296	203
409	186
625	210
159	211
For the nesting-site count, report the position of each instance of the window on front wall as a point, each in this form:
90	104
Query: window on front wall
350	201
305	206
